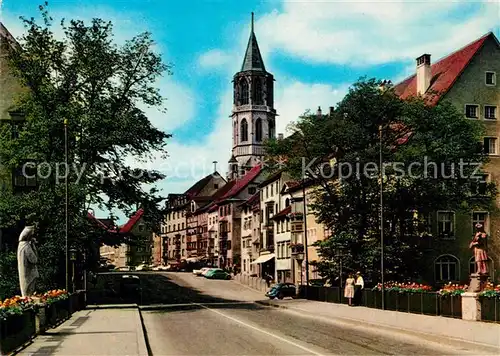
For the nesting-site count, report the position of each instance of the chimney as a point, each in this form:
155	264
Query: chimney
424	74
280	136
331	110
318	113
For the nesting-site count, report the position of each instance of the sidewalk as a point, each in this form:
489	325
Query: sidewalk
94	332
463	330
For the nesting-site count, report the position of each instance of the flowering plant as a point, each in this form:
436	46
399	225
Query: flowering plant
14	306
491	291
17	305
453	289
404	287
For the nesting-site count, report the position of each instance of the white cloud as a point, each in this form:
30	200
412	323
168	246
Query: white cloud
373	32
296	97
215	58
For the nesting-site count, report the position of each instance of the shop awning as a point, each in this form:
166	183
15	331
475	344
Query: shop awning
263	258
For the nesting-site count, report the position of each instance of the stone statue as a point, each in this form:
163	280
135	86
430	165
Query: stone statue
27	259
478	245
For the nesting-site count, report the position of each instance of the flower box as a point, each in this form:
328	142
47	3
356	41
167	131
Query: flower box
490	308
16	330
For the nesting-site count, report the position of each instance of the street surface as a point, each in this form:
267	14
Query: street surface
215	317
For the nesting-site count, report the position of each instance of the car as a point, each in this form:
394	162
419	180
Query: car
208	270
282	290
143	268
217	274
199	272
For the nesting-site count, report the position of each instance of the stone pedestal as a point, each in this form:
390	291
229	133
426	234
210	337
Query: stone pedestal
477	282
471	306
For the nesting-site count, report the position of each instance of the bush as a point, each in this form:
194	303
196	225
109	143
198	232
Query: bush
9	278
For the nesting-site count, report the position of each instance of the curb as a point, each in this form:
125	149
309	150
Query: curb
112	306
143	347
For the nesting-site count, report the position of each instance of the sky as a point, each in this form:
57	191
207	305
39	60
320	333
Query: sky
314	49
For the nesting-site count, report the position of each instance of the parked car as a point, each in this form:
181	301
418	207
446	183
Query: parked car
217	274
143	268
282	290
199	272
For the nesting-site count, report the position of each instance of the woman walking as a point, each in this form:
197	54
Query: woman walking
349	289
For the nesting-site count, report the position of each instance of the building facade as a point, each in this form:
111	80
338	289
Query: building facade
467	79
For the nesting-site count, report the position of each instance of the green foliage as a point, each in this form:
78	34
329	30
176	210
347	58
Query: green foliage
102	89
9	279
348	202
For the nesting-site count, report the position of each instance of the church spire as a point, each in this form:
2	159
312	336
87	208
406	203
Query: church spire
253	59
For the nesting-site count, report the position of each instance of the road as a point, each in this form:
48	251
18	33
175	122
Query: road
211	317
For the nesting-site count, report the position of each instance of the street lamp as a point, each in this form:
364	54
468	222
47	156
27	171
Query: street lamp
339	253
72	257
381	216
66	201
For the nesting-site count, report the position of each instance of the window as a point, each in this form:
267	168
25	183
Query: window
216	186
490	78
182	226
141	227
258	130
480	217
471	111
244	91
479	184
267	192
447	268
271	129
490	145
272	190
257	92
25	175
287	203
490	112
244	130
252	190
228	245
446	222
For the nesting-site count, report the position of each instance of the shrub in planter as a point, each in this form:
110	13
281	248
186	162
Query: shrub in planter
17	323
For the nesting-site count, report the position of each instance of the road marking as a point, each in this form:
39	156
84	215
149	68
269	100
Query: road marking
261	330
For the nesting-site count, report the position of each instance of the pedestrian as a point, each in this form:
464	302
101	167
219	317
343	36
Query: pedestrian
349	288
358	288
268	280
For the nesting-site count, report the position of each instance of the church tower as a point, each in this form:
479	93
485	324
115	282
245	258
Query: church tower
253	116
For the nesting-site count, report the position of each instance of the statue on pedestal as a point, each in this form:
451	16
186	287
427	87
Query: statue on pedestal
27	259
478	245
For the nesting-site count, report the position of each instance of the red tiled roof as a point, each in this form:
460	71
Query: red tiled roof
121	230
243	182
131	222
444	72
283	213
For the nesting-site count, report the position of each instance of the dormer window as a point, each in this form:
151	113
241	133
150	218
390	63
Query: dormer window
490	78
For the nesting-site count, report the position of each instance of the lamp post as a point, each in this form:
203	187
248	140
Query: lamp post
381	216
339	253
66	201
306	255
72	252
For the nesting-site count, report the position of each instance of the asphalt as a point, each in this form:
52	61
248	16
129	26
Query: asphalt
211	317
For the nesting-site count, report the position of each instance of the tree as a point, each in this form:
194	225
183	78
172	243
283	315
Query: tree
99	87
347	197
